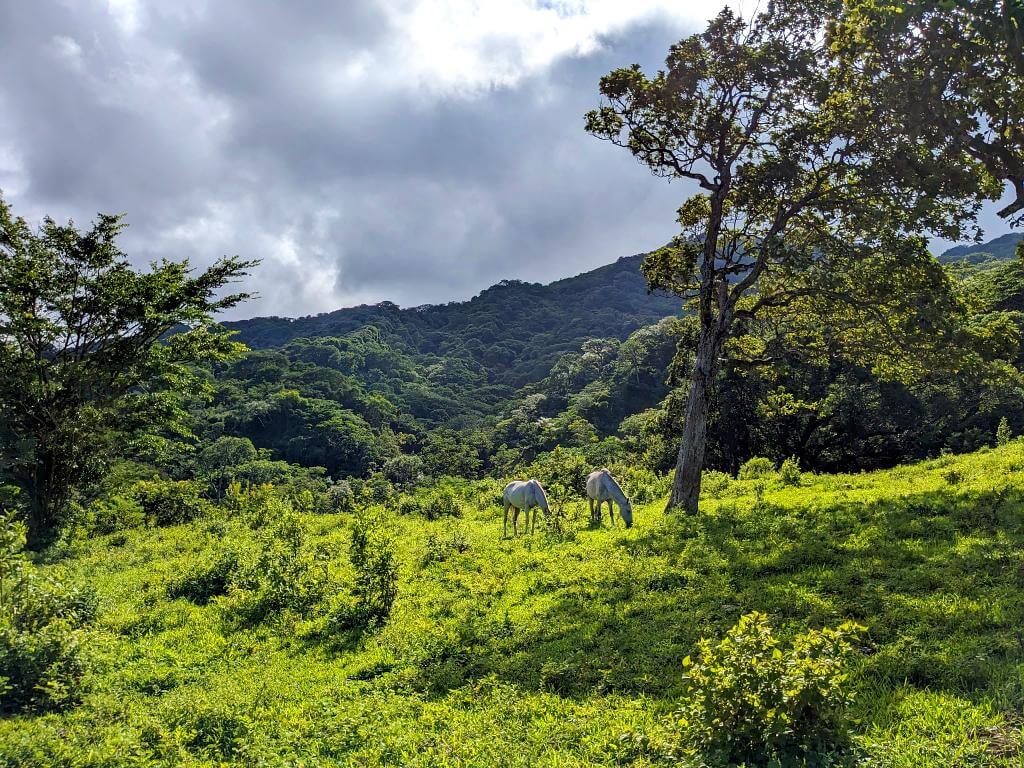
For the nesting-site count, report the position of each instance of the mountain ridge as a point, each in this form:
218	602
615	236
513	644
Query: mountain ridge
1000	249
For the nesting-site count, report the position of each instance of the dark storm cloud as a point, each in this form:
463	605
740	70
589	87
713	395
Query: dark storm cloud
314	136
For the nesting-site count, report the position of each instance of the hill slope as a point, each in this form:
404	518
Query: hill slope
516	331
1000	249
545	651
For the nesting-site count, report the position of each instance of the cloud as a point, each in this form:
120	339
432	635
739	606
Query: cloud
410	150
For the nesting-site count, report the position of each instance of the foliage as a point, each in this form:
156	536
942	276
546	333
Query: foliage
748	701
805	201
169	502
563	473
789	472
1003	432
442	503
89	365
756	468
445	543
337	498
372	552
545	652
963	98
42	631
114	513
206	579
279	572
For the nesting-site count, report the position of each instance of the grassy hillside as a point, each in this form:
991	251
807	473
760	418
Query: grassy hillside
565	649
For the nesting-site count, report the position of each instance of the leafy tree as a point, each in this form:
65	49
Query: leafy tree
803	202
950	73
94	354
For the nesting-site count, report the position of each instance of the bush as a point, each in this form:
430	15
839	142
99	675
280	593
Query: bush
441	545
789	472
1003	432
281	573
42	631
372	552
756	468
117	513
641	485
750	702
207	580
409	505
169	502
714	482
442	504
337	498
403	471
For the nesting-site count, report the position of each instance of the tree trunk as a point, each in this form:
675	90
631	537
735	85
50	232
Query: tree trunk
44	503
690	460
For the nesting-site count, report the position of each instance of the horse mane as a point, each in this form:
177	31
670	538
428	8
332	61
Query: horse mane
543	493
617	487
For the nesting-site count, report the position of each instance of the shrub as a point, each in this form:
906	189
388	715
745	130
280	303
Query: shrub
640	484
789	472
1003	432
372	552
337	498
169	502
409	505
714	482
952	476
442	504
254	504
403	471
117	513
42	631
756	468
441	545
207	580
282	573
749	701
376	489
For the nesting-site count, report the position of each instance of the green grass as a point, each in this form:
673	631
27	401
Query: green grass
561	650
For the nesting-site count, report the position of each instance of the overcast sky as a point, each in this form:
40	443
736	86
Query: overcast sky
410	150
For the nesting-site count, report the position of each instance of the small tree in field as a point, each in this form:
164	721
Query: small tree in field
802	205
93	354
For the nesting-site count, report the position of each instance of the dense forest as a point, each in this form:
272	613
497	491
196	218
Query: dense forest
489	384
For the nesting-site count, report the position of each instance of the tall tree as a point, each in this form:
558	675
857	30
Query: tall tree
93	354
799	184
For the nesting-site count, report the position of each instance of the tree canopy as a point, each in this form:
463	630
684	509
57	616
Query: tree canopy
94	353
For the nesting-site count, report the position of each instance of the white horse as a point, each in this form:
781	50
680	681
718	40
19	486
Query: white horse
524	495
601	487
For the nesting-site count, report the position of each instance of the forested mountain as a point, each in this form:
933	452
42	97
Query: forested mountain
1001	248
521	369
509	335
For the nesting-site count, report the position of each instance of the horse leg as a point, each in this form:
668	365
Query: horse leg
591	501
611	512
515	521
504	527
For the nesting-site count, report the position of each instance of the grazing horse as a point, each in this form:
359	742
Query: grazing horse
524	495
601	487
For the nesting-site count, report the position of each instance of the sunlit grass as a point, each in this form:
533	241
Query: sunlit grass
547	650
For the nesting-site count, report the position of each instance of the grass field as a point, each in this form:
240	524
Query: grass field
566	649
